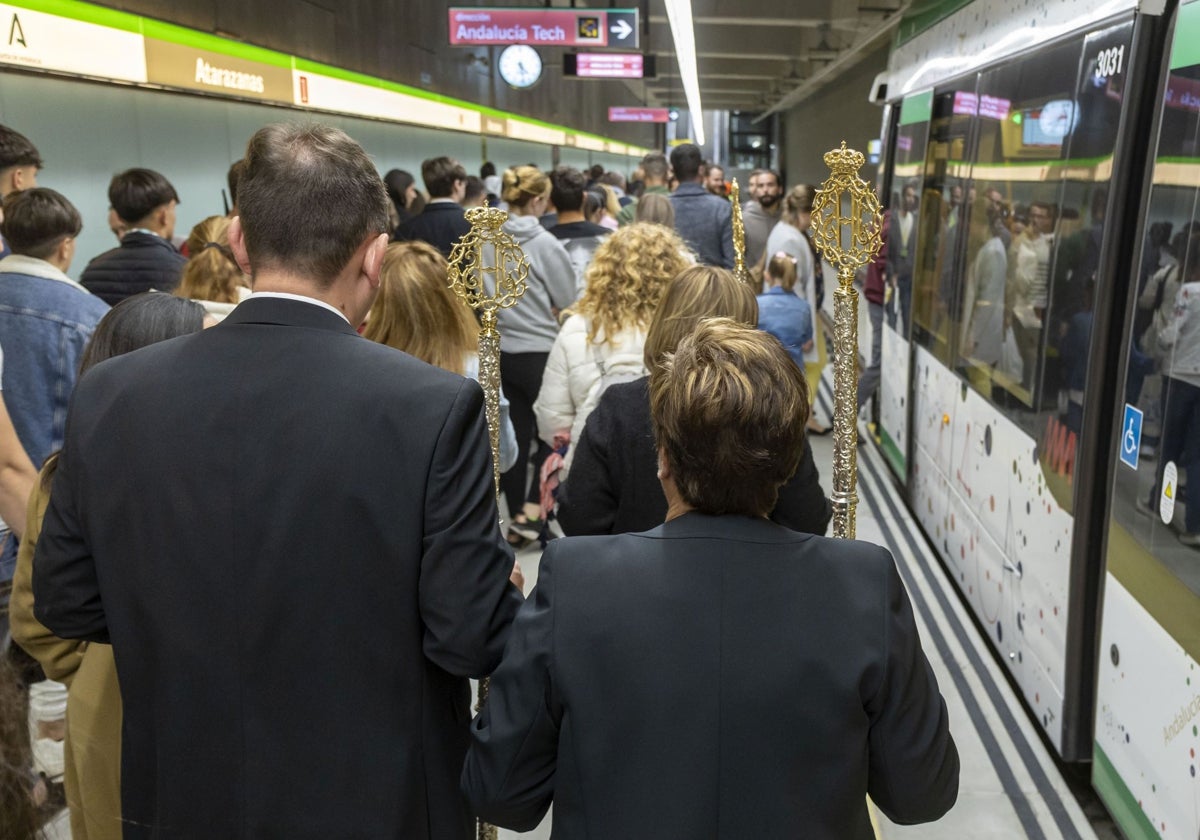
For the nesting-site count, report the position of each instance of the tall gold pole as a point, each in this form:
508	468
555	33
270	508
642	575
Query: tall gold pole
488	288
740	271
847	227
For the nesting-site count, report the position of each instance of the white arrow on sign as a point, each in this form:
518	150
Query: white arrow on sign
621	29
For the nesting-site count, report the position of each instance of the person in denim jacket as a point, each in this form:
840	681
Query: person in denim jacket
46	318
781	313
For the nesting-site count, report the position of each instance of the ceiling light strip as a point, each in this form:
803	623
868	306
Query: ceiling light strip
679	14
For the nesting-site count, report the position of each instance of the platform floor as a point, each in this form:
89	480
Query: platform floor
1011	786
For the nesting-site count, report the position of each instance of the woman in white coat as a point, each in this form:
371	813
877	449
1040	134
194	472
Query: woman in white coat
601	342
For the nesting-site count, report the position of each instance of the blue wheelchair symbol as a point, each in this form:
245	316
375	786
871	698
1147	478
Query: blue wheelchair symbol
1131	436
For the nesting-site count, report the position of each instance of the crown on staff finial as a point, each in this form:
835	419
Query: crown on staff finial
490	218
844	161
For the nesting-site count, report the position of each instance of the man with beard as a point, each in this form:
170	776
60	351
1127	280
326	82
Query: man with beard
761	212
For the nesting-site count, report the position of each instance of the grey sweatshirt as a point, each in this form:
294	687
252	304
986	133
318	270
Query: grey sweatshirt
531	325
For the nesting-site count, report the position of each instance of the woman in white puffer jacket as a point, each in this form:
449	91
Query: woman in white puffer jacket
602	340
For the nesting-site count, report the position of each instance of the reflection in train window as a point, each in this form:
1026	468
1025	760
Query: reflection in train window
1154	538
1018	165
905	209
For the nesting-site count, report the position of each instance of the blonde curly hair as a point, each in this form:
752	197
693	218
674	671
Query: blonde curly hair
627	276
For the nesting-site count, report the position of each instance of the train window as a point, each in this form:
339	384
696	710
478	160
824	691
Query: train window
1154	538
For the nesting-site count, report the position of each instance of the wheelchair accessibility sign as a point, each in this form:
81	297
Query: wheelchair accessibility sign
1131	436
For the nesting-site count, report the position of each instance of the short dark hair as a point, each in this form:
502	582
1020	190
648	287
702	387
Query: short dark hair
728	409
567	186
140	321
475	189
16	150
686	160
233	178
773	173
440	175
654	165
135	193
310	195
487	170
37	220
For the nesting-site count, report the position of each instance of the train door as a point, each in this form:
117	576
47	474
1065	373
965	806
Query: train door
908	158
1016	189
1147	729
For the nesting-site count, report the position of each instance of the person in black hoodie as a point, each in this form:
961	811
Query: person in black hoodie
144	202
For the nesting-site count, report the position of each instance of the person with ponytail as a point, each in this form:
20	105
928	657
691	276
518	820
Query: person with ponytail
527	333
781	313
212	277
790	235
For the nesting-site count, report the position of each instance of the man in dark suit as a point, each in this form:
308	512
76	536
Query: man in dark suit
442	223
902	253
289	535
705	221
719	676
144	203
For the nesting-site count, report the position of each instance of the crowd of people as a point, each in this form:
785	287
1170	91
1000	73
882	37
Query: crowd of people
264	558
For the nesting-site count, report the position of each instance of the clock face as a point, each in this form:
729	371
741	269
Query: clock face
520	66
1058	118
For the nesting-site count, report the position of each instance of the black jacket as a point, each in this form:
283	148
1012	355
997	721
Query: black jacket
441	225
297	577
717	677
613	486
140	263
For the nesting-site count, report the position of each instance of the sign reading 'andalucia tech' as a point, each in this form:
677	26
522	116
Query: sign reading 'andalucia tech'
480	26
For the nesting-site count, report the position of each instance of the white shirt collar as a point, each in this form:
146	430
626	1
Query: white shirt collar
32	266
301	298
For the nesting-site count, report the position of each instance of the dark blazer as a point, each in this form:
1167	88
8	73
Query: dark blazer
717	677
705	222
298	569
441	225
140	263
613	486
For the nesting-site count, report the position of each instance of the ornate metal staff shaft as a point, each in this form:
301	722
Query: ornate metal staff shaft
740	271
469	275
846	230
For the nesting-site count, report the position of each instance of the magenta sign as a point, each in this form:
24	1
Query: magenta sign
482	26
609	66
642	115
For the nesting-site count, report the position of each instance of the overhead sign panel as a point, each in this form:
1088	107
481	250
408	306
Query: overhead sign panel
608	65
38	41
640	115
176	65
477	26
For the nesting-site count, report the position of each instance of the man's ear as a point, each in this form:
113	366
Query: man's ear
373	259
237	244
664	468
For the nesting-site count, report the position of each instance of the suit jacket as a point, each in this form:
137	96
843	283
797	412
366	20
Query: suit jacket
297	570
613	485
705	222
441	225
140	263
717	677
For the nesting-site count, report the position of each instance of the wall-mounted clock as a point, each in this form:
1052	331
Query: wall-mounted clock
520	66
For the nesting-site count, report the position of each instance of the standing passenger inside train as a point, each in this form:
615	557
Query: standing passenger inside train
441	222
92	748
1181	378
751	676
613	487
902	256
144	202
703	220
1027	285
46	319
313	567
983	326
527	332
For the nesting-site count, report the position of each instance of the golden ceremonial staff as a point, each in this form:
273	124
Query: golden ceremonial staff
740	271
847	228
487	288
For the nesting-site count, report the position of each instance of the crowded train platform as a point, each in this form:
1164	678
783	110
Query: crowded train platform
685	420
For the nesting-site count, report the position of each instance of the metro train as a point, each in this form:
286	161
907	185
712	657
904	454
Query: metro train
1042	168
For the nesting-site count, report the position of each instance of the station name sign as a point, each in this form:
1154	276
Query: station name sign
482	26
639	115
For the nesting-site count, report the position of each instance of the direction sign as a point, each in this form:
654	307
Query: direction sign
472	26
643	115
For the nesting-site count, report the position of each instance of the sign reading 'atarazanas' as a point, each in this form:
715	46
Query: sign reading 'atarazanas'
234	79
179	66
